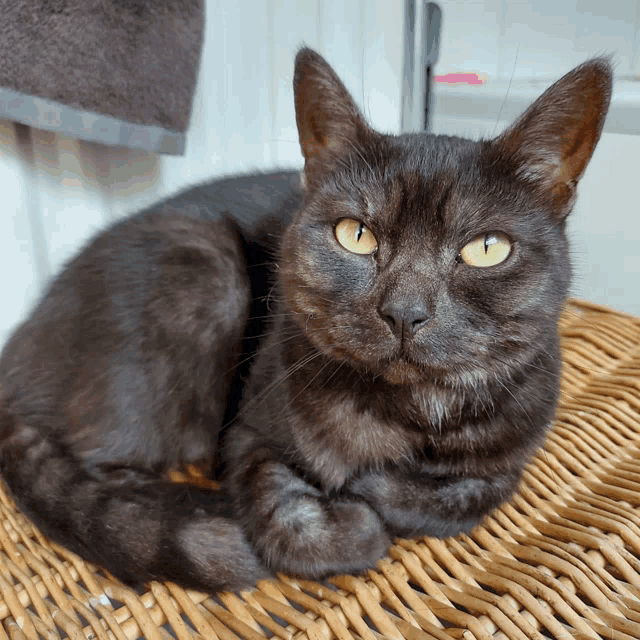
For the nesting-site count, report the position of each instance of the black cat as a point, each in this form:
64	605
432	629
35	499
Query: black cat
407	372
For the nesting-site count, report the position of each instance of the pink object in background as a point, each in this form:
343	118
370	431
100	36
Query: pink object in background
461	78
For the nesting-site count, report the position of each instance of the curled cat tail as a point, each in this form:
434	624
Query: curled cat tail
134	524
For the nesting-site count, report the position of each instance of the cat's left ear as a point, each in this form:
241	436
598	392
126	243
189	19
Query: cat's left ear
552	142
329	121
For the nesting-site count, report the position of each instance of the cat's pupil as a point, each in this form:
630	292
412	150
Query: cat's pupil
490	239
359	232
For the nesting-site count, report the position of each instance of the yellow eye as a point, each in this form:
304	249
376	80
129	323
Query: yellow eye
487	250
355	237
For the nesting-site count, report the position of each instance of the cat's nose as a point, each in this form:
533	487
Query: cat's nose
404	317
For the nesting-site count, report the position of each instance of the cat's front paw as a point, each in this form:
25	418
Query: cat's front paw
314	538
372	487
418	504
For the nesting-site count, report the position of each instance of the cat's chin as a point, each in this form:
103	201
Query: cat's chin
404	373
407	373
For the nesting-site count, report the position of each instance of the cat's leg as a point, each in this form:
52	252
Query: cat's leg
298	529
135	524
414	503
121	374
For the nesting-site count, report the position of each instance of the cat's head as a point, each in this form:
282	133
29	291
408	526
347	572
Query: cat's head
421	257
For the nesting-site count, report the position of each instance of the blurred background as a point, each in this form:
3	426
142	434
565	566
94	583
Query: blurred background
57	190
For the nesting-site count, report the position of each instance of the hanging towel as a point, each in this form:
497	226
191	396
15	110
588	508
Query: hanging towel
119	72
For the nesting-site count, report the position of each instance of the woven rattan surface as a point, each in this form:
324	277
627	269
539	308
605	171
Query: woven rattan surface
561	560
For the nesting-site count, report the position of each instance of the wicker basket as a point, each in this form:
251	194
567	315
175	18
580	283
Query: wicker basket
562	560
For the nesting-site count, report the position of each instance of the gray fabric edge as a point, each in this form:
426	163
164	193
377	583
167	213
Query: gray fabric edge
94	127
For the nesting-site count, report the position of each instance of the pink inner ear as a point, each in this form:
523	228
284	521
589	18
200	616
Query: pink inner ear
576	149
311	137
581	146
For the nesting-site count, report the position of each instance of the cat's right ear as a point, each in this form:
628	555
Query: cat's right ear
329	121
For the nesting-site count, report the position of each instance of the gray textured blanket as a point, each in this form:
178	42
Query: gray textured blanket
112	71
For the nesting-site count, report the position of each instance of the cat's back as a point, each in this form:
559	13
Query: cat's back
122	267
157	298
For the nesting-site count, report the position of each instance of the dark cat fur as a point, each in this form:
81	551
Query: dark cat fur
397	393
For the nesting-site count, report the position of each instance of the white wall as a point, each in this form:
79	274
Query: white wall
57	191
521	47
549	37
